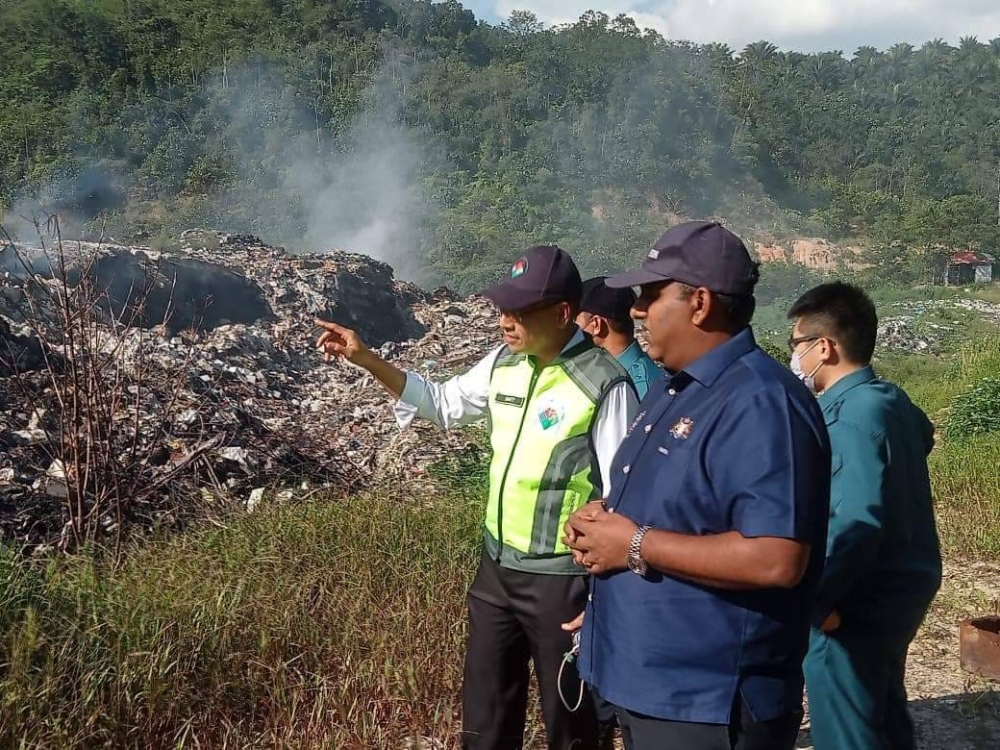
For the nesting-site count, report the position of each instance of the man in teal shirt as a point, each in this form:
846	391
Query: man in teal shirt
883	561
605	315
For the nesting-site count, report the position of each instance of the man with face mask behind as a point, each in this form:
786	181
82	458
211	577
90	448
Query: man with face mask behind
883	562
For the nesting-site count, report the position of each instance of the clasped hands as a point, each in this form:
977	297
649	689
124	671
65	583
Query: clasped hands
599	538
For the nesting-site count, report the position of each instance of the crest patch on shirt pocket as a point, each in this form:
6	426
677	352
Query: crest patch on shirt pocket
682	430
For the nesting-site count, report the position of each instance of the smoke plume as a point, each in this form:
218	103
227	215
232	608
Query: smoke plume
289	173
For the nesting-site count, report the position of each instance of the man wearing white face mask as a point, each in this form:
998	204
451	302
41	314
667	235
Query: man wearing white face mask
808	379
883	561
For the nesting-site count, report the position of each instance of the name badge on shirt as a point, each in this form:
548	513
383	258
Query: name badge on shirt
503	398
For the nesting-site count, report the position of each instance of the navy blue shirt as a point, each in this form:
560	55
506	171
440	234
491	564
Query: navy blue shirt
732	443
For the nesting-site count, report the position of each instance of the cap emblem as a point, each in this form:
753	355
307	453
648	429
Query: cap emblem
654	254
518	268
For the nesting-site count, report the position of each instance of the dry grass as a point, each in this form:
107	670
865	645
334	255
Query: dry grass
336	624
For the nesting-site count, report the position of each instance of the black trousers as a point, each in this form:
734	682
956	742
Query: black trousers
742	733
607	721
514	618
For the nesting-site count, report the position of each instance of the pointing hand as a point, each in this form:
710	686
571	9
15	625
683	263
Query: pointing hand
337	341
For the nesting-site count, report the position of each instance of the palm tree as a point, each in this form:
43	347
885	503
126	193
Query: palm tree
865	56
969	45
938	46
897	60
759	53
825	69
903	50
864	64
719	54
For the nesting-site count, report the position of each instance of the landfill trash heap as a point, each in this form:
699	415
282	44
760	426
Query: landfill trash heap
251	412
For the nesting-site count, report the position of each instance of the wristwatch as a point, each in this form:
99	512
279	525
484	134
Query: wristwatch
635	562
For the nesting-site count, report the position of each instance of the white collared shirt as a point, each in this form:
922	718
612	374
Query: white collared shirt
464	398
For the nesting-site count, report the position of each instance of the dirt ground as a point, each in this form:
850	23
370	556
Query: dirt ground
952	710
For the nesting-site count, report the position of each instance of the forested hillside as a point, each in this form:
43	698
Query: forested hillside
410	130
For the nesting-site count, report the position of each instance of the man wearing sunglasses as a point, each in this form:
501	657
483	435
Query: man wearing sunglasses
557	407
707	551
883	560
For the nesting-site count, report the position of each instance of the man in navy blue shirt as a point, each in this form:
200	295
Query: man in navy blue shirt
707	552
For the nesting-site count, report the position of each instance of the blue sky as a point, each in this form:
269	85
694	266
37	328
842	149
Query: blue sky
806	25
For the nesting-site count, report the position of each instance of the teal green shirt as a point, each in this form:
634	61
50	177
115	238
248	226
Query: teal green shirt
882	547
643	371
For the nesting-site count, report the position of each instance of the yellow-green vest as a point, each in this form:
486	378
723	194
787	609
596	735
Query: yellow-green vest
544	466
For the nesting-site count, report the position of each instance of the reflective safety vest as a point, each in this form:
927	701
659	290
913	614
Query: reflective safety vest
544	465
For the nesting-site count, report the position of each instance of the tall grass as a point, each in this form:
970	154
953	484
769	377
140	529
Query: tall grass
964	472
967	492
337	624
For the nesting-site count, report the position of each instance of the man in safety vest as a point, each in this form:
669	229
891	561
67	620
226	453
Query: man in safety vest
557	408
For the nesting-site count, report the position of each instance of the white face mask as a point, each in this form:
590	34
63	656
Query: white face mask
809	380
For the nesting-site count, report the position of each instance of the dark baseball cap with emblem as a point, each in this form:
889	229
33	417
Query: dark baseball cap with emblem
544	273
700	254
600	299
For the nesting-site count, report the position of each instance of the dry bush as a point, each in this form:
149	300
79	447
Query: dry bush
101	407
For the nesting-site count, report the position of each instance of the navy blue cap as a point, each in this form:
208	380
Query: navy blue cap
544	273
600	299
697	253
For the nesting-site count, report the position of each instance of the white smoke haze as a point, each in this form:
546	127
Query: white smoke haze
93	188
371	197
295	180
360	190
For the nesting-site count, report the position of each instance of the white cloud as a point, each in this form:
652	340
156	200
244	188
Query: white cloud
793	24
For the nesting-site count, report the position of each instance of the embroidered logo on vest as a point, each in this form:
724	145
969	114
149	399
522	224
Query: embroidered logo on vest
550	414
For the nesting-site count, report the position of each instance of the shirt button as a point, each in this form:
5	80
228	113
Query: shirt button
672	392
627	469
649	428
590	597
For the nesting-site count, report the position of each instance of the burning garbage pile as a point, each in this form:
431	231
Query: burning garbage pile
135	387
